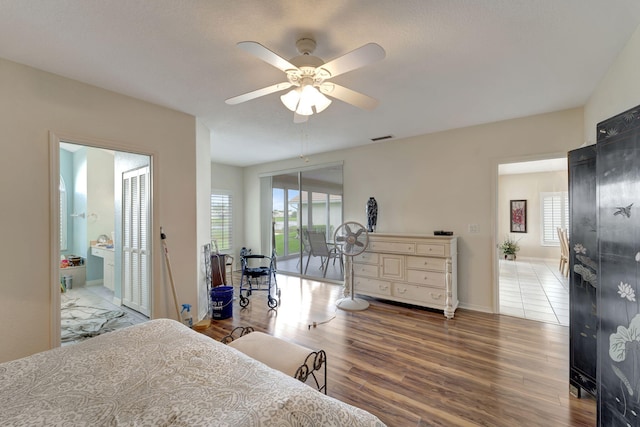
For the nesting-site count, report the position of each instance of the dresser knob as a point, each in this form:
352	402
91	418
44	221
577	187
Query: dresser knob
436	296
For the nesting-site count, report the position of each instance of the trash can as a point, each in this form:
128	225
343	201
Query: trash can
221	302
68	282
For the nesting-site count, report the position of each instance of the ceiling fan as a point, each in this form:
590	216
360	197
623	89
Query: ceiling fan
309	75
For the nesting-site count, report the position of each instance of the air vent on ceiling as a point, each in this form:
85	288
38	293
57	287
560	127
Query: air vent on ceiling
380	138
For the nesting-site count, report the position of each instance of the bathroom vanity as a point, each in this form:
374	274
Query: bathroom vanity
108	258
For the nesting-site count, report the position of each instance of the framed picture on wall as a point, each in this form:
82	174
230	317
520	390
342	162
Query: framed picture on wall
518	215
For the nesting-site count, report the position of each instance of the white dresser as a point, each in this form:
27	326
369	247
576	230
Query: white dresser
413	269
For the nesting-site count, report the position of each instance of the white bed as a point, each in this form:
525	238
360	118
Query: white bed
161	373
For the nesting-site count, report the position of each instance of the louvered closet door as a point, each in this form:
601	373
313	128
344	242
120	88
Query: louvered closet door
135	251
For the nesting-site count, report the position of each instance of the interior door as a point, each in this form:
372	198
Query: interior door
135	240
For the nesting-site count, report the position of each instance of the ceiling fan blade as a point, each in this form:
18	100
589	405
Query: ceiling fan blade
267	56
365	55
258	93
349	96
299	118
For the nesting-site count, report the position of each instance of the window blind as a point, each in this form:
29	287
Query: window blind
222	221
555	214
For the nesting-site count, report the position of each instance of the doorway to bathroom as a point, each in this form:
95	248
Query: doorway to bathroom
104	222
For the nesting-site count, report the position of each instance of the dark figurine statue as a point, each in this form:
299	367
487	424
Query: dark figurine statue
372	214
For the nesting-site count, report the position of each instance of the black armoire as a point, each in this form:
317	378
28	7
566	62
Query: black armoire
583	271
607	261
618	195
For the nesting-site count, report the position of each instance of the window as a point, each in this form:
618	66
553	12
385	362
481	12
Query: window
222	221
63	215
555	213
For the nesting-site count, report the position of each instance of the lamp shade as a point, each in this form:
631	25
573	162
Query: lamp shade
291	98
322	101
302	99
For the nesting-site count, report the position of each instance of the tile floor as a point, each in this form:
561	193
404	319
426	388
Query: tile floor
534	289
131	317
107	295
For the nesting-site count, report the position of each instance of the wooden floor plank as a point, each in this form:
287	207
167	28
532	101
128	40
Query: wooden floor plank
412	367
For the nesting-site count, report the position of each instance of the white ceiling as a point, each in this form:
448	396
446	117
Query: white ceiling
449	63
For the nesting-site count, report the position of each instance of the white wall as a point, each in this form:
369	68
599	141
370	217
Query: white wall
34	103
528	187
442	181
100	215
618	91
203	185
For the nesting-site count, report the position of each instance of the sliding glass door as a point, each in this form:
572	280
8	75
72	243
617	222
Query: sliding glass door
308	203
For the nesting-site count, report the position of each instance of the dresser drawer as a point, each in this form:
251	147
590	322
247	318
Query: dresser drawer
366	286
366	258
392	267
425	263
107	254
434	249
421	294
430	278
366	270
395	247
99	252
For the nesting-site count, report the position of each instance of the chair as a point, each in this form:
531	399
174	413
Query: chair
564	252
318	247
305	244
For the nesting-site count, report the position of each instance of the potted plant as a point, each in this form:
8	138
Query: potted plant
509	248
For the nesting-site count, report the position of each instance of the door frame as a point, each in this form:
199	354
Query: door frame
55	138
495	226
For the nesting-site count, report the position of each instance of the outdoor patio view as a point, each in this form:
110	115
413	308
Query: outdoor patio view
318	208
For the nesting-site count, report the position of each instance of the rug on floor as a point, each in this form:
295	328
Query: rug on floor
85	315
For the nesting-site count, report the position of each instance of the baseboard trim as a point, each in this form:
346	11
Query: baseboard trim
117	301
474	307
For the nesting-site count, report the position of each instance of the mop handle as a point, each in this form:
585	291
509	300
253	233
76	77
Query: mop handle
173	288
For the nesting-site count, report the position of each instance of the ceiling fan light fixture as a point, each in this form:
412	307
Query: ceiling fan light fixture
303	100
291	99
322	102
306	102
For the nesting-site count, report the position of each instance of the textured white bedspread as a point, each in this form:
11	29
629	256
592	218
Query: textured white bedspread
161	373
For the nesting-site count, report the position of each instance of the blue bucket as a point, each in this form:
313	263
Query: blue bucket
221	302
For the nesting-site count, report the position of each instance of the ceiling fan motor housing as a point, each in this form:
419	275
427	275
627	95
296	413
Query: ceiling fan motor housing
306	46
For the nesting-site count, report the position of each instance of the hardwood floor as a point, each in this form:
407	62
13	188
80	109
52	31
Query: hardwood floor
412	367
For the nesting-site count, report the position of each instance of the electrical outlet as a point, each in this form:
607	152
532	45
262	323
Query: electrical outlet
473	228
